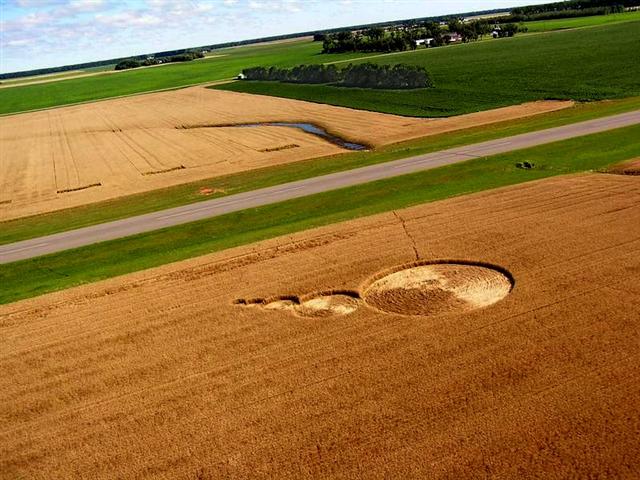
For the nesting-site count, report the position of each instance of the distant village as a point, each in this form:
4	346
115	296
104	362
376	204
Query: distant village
426	34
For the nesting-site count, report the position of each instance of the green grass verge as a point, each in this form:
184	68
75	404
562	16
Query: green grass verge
584	64
33	277
46	224
581	22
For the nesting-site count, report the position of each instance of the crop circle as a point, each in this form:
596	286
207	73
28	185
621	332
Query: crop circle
327	305
436	288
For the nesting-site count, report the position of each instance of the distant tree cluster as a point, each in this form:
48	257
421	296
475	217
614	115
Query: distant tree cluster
370	40
472	31
181	57
509	30
567	13
409	36
364	75
126	64
581	5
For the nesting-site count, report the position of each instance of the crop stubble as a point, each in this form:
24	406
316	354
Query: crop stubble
160	373
81	154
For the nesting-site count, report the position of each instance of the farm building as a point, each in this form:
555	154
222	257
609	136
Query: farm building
453	37
427	42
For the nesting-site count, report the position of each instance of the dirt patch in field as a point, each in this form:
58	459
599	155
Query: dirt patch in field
210	190
159	374
77	189
282	147
630	167
135	144
165	170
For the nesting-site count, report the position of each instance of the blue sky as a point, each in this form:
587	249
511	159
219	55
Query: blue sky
45	33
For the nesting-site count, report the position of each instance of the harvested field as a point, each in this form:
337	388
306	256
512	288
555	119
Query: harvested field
165	374
137	144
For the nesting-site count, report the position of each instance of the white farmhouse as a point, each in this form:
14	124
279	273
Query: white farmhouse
427	42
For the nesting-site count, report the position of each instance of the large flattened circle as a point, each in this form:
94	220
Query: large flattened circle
438	288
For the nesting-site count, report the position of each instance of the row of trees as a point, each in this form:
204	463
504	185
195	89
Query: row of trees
476	30
365	75
569	13
572	5
181	57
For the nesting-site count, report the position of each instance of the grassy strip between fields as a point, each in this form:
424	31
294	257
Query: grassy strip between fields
69	219
33	277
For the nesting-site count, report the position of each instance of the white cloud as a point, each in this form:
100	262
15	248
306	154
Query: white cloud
289	6
37	3
86	5
20	43
159	3
202	7
128	19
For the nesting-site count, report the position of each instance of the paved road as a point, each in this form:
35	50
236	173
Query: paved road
255	198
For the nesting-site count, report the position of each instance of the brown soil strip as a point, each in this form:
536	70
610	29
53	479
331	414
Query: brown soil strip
77	189
166	170
283	147
630	167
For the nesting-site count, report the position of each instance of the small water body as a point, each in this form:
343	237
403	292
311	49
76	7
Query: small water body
309	128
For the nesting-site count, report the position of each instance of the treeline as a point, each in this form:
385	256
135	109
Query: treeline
572	5
408	37
477	29
364	75
552	15
182	57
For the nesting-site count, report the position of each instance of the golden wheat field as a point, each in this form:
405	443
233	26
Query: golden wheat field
75	155
488	336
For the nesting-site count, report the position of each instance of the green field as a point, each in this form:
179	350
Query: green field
104	260
581	22
46	224
176	75
587	64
